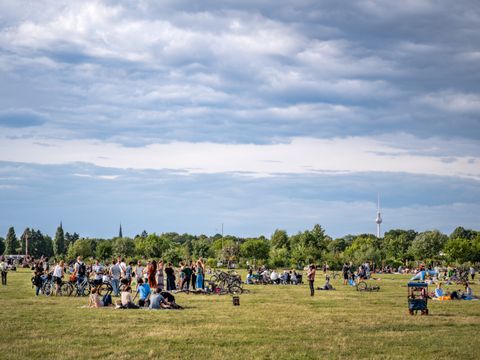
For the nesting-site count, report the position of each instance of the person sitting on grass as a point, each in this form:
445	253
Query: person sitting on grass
126	295
170	300
94	300
468	293
439	291
157	301
274	277
327	285
249	277
294	278
143	289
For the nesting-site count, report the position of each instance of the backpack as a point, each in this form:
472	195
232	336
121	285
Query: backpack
82	269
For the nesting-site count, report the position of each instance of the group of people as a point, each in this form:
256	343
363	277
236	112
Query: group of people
466	294
265	276
155	300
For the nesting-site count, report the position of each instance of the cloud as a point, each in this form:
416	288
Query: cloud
297	156
159	200
21	118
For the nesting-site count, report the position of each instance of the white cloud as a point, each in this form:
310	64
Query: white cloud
453	101
300	155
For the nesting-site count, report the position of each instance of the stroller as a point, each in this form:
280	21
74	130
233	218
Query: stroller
417	297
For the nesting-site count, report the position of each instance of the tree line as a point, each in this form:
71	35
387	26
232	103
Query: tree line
397	247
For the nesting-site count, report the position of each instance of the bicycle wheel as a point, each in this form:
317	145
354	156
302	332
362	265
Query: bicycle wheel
47	288
362	286
66	289
235	290
104	289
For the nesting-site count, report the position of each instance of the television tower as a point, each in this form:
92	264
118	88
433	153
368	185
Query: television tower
378	220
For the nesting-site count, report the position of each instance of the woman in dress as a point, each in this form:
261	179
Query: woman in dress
151	273
170	272
160	275
200	273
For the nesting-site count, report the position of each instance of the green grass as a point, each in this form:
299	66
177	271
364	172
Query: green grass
272	322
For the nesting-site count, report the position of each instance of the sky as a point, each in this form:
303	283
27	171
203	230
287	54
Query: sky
185	115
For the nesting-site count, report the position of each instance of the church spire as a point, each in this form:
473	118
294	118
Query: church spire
120	234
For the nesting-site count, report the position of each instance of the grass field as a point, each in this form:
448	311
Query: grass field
272	322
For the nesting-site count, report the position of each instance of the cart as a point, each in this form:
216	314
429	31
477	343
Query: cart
417	297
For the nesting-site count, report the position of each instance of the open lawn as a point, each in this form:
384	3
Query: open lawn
272	322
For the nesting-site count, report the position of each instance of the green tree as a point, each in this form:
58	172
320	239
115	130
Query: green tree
104	249
279	239
123	247
11	242
201	248
255	249
82	247
70	239
397	243
460	250
153	245
462	233
428	245
365	247
59	242
279	257
2	245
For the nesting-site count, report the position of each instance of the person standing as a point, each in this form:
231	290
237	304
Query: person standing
200	274
57	277
3	270
139	271
129	272
80	270
116	273
311	278
472	273
170	272
151	274
194	275
160	275
345	271
187	275
98	272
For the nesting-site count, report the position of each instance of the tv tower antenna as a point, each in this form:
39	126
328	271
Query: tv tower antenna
378	220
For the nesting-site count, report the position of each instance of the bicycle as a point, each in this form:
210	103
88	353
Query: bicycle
363	286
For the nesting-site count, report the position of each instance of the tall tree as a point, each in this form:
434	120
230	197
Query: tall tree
2	245
11	242
280	240
428	244
59	243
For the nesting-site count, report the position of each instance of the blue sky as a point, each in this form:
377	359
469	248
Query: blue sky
178	116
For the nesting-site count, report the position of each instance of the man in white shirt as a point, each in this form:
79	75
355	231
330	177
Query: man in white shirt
123	266
98	271
274	277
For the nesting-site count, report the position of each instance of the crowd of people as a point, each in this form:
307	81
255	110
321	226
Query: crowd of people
153	281
263	275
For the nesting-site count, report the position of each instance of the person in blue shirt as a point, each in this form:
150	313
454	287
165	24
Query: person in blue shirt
143	290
